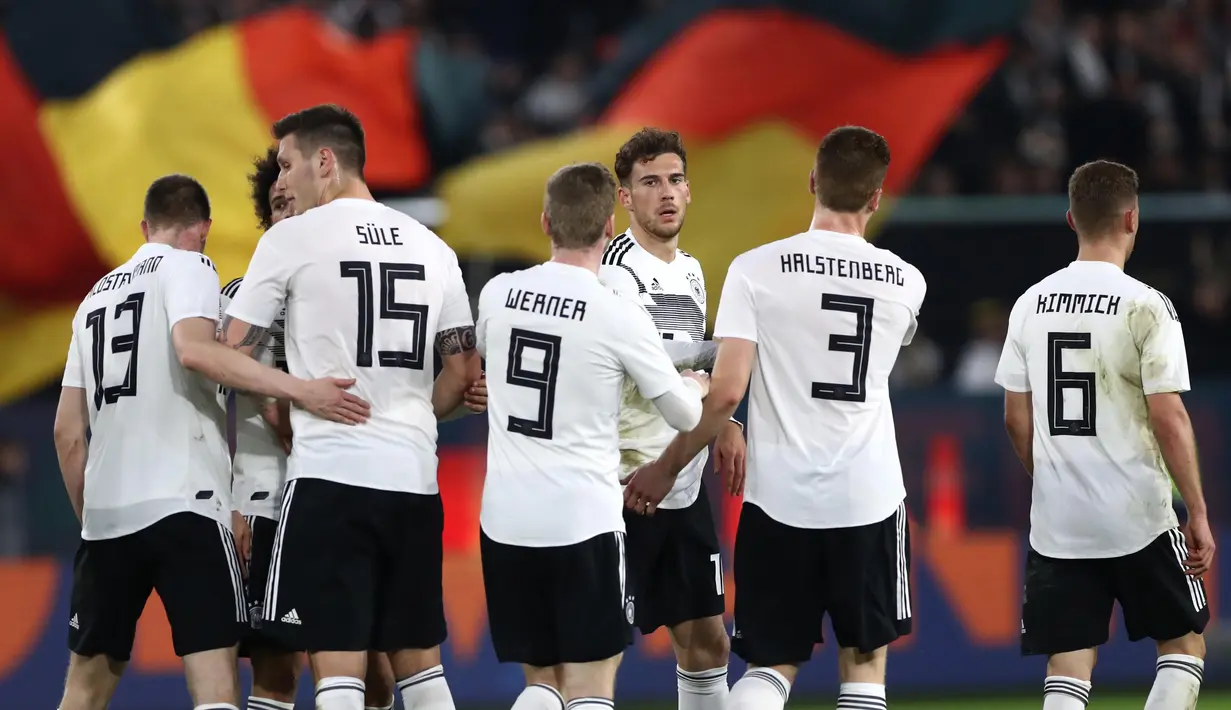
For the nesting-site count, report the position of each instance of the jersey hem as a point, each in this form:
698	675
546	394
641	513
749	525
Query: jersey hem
196	314
737	336
1121	552
1020	389
247	317
539	544
804	526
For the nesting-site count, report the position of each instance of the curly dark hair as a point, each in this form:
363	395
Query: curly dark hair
264	175
647	144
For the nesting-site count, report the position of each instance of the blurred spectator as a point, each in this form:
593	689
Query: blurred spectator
555	102
919	364
13	467
976	366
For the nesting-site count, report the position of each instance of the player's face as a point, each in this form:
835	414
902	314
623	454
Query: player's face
658	195
302	179
279	205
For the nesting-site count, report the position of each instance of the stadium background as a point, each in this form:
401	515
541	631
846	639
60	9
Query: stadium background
469	105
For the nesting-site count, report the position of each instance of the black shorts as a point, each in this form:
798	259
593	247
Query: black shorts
553	605
264	531
1067	604
355	569
674	565
787	579
189	559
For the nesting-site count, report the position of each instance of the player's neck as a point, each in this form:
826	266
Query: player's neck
347	188
1102	251
664	249
588	259
855	223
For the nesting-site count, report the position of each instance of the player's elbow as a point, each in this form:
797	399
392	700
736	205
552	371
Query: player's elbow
725	400
191	356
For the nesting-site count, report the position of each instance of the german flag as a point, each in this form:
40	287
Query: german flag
752	87
94	106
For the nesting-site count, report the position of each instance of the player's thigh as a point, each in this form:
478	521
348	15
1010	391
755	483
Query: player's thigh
201	585
321	594
519	585
410	601
112	580
591	680
1160	601
644	538
689	579
1066	604
779	596
594	609
264	650
867	582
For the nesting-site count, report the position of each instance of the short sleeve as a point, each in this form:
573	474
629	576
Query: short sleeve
919	289
191	289
74	375
640	350
1160	340
619	279
486	297
736	311
263	292
1011	372
455	308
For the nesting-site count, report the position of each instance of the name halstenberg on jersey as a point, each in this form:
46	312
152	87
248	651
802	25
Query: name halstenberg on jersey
123	278
842	268
544	305
1099	303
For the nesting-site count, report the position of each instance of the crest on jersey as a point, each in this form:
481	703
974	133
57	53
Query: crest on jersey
698	292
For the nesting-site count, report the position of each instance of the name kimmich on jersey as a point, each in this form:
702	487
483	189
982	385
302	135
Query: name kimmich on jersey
258	466
158	442
829	313
673	293
1087	343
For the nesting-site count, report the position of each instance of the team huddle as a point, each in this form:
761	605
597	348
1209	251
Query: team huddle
265	458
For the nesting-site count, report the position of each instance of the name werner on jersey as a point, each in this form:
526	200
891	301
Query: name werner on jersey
544	305
121	279
1100	303
820	265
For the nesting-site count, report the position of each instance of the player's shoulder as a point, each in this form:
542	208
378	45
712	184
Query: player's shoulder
232	287
177	261
618	251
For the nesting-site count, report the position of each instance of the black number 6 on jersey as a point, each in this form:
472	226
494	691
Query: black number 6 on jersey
96	321
1059	380
542	379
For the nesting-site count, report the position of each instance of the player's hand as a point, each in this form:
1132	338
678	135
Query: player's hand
730	457
243	540
700	378
327	398
475	398
647	486
277	414
1200	547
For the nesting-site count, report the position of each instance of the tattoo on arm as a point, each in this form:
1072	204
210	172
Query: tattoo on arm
455	340
254	335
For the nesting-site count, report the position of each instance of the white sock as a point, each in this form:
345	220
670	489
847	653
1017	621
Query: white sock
1061	693
760	689
702	690
862	696
388	706
1177	684
539	697
590	704
426	690
339	693
216	706
255	703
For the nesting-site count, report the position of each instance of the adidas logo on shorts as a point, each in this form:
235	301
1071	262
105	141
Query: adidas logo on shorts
73	623
291	617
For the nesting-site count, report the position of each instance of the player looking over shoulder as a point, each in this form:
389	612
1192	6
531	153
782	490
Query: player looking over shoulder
558	346
366	289
156	510
674	561
816	320
1093	366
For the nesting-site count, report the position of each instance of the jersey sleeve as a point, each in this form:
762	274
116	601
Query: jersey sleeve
619	279
918	292
1156	330
74	374
264	288
455	308
487	301
736	310
640	350
1011	372
190	290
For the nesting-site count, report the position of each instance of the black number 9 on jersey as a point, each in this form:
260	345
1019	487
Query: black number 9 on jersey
390	309
542	379
1059	380
96	321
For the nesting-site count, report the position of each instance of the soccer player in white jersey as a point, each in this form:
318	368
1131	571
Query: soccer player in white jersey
674	560
558	346
367	291
1093	367
816	320
150	488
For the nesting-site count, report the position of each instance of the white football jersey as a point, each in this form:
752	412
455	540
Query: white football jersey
829	313
558	344
674	295
258	466
1090	343
366	290
157	437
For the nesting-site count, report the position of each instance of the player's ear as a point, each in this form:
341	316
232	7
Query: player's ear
1130	221
545	224
626	197
609	228
145	230
812	181
324	160
1068	217
875	203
